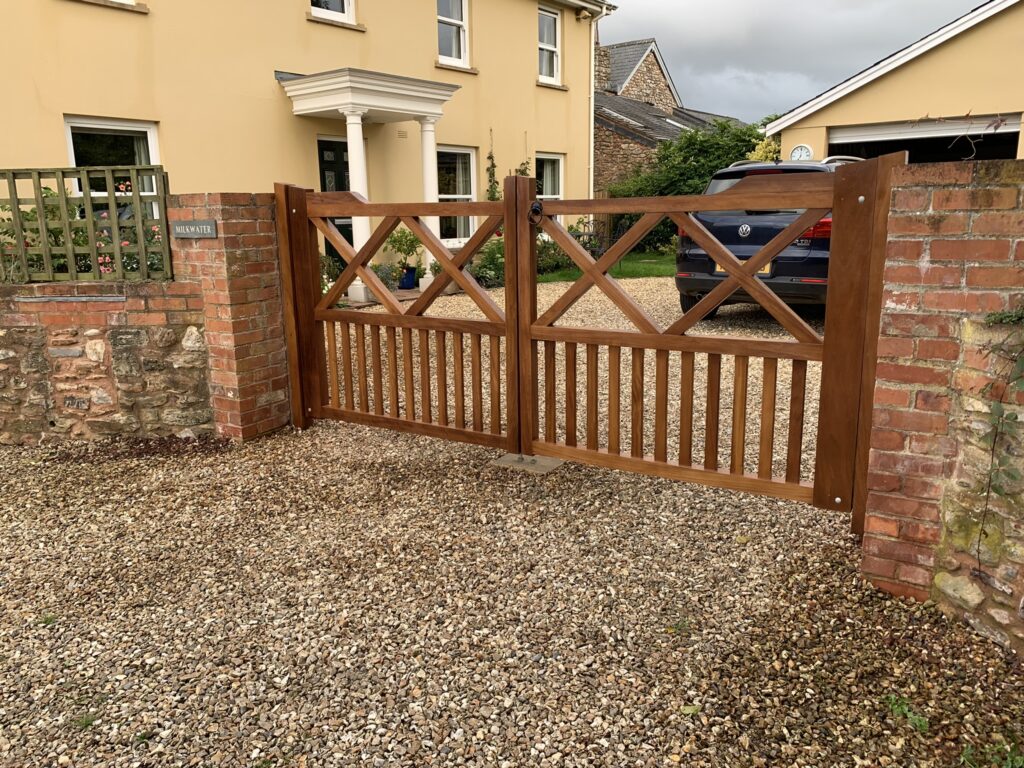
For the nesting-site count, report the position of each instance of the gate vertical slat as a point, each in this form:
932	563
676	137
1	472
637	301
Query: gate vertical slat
711	416
856	259
767	446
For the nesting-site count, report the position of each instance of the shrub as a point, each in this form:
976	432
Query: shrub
551	257
685	166
489	266
389	274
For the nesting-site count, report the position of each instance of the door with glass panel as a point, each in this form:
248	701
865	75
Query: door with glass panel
333	160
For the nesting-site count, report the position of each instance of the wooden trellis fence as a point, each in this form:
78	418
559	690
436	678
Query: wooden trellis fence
102	223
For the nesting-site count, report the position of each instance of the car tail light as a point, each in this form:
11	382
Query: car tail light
682	232
820	231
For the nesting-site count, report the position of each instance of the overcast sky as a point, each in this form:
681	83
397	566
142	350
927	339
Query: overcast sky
750	58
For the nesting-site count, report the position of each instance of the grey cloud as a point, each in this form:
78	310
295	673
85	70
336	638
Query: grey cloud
748	58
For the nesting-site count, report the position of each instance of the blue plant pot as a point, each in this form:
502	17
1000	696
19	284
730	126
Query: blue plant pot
408	280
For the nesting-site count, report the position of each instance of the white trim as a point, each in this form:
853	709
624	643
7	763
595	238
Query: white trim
463	26
554	13
384	98
347	17
921	129
112	124
561	173
898	59
653	47
461	150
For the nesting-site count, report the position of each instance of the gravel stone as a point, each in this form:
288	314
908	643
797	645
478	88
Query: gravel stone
346	596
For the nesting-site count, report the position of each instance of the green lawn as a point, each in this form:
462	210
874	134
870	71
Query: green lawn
636	264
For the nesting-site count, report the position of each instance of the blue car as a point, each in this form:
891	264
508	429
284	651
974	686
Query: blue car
799	274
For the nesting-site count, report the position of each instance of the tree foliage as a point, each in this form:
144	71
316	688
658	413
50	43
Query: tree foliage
685	166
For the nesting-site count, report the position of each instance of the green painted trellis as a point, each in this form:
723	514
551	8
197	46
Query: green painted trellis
97	223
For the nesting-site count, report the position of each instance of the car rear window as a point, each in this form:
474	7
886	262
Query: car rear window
724	180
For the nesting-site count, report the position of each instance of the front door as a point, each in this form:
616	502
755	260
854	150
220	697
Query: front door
333	160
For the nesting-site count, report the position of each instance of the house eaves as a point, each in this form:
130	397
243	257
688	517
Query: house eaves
934	40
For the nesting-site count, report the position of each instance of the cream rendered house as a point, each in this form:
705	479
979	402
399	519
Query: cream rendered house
400	100
956	94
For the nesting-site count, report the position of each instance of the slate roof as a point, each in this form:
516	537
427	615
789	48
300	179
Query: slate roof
624	58
647	123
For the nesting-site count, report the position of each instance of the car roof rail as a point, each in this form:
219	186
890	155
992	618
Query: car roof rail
843	159
738	163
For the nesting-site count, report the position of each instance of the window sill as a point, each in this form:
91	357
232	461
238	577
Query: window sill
554	86
131	7
457	68
334	23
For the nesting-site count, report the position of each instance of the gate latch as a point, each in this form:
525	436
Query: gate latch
536	212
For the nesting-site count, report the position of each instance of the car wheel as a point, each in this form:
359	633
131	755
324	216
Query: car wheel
687	303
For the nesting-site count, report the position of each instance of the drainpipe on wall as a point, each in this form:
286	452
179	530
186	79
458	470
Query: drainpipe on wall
590	98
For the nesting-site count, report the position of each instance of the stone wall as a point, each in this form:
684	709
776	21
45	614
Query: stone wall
202	353
92	359
650	85
956	253
619	155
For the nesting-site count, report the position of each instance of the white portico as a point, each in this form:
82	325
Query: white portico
360	97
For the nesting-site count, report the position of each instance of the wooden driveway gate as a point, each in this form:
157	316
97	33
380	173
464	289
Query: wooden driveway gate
396	366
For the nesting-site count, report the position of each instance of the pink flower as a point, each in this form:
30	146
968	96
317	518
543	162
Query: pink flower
125	242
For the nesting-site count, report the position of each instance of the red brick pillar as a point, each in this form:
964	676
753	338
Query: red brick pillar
956	253
238	271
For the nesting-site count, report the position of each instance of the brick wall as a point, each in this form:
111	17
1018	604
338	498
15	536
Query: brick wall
956	253
200	354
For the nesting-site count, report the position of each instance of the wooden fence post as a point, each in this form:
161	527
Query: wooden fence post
526	311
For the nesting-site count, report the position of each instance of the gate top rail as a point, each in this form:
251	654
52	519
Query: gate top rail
341	204
753	193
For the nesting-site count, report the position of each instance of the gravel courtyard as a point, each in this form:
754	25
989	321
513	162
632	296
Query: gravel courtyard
346	596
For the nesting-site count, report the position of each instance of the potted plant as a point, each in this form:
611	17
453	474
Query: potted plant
407	246
435	270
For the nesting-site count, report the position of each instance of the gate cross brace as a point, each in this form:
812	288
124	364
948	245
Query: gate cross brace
744	274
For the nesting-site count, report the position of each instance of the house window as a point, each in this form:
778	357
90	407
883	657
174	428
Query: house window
456	182
452	37
549	176
333	10
100	142
548	23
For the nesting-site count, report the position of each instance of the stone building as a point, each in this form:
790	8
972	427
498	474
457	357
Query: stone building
636	107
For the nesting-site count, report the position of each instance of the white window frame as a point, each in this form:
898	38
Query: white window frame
561	173
556	48
463	37
347	17
109	124
471	197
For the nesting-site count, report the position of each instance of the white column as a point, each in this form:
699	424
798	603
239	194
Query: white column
428	141
357	174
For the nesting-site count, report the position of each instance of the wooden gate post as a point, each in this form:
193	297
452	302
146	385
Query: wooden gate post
856	261
526	307
511	233
300	290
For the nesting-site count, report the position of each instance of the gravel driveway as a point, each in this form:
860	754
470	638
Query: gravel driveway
346	596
